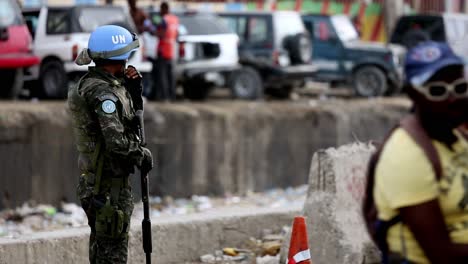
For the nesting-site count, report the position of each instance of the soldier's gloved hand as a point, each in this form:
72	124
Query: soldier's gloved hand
133	79
147	162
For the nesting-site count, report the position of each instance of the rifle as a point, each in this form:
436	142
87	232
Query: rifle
146	223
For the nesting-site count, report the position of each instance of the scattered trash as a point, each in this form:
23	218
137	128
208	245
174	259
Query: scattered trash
271	248
256	251
30	217
268	260
219	257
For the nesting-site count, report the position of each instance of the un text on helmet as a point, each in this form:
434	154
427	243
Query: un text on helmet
118	39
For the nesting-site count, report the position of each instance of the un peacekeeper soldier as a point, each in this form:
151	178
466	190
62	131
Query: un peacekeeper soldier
102	106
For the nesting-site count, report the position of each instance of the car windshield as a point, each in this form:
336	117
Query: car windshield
344	28
10	13
91	18
203	25
431	26
206	24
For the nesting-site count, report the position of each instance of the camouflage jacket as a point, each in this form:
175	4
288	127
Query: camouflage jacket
101	110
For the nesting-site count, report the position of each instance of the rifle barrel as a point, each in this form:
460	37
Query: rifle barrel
146	223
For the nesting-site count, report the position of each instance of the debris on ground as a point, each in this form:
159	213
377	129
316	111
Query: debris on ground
270	199
30	218
256	251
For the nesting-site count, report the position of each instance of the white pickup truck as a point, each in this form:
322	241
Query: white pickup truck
60	33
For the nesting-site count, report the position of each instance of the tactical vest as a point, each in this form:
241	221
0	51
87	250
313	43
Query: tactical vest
86	131
111	221
89	141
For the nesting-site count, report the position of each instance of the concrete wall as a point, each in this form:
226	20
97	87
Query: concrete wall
175	240
336	230
212	148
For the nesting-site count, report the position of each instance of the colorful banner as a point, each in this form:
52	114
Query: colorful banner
373	25
368	18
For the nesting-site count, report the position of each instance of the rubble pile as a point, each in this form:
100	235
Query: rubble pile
255	251
31	218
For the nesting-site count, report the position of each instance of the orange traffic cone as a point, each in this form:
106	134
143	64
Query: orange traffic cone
299	247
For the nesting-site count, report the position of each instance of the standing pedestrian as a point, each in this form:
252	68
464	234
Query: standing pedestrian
102	106
422	199
164	86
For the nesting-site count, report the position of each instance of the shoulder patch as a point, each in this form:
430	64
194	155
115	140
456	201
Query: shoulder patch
108	96
108	107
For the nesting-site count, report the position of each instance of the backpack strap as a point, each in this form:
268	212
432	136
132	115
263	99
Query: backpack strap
414	128
368	207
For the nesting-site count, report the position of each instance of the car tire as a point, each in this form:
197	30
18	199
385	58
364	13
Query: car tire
53	80
246	84
369	81
13	83
299	47
196	89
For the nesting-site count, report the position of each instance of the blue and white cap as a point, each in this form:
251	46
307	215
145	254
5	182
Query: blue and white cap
424	60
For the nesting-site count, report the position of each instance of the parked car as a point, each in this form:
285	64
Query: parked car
371	68
207	57
60	33
15	49
274	48
449	28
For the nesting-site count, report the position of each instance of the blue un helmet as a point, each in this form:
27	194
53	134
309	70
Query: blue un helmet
109	42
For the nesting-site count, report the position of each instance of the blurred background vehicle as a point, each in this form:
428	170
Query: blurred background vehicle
446	27
60	33
207	55
450	28
15	49
274	49
370	68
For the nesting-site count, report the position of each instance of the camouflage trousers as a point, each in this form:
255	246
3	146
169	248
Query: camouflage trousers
103	250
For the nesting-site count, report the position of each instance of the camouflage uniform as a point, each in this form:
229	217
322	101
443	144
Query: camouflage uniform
109	148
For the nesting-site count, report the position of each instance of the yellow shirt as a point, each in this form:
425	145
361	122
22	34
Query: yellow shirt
404	177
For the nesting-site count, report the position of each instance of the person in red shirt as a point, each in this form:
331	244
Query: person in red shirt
163	73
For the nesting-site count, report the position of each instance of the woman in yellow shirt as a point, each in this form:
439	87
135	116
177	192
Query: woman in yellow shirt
434	213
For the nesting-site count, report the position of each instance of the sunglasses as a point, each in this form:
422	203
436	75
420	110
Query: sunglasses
440	91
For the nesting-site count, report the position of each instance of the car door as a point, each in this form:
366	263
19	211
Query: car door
255	32
258	37
53	34
327	53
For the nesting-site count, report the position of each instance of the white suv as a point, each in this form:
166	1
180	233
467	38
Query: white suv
208	57
60	33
